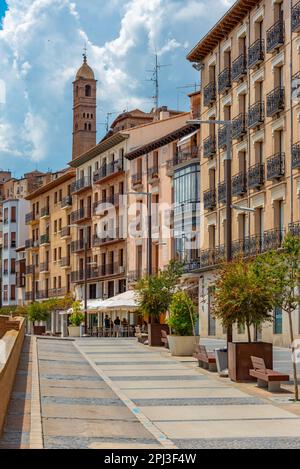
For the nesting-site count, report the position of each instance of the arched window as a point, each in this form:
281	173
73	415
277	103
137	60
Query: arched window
92	116
84	115
88	116
85	126
90	127
88	90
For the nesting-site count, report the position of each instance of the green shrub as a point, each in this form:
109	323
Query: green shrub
183	315
77	317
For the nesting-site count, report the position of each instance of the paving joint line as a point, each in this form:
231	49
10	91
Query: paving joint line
36	432
147	424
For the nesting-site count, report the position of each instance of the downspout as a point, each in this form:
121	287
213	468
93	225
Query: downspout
291	116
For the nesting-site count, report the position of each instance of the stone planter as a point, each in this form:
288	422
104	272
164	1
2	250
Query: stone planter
74	331
183	346
154	334
239	358
39	330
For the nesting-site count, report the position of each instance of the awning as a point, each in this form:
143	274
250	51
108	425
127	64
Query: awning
126	301
92	306
185	140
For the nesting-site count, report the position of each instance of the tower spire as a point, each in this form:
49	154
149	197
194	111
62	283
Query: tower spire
84	54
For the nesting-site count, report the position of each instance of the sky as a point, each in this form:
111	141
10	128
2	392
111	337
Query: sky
41	46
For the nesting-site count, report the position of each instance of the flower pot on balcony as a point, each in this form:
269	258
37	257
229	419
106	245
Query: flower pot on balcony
39	330
183	346
154	334
239	358
74	331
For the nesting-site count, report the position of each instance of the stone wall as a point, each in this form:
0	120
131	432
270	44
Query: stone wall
12	334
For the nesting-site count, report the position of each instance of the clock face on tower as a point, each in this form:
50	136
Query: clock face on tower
84	110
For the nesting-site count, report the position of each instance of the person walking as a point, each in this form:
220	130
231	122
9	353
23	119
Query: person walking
107	325
117	323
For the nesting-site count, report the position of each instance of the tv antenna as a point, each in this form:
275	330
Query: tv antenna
107	120
155	79
195	86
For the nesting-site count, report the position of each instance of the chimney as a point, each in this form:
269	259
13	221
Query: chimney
164	113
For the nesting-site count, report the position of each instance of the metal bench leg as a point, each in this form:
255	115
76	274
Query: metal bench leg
262	384
274	386
212	367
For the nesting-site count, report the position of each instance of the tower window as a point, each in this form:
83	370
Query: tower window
76	90
88	90
84	115
88	116
90	127
92	116
85	126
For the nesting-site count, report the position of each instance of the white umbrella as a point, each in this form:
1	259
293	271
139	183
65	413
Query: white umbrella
126	301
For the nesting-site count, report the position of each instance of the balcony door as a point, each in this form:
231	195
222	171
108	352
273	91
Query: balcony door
211	319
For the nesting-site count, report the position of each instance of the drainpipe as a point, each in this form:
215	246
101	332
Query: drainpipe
291	116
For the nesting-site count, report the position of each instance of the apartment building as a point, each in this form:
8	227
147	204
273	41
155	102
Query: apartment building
48	246
250	67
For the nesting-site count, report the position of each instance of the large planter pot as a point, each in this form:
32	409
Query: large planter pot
154	334
74	331
183	346
39	330
239	358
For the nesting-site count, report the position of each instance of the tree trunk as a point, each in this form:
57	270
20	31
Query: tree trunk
295	375
249	333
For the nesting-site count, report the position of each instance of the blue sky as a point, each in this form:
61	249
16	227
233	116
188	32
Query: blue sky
41	43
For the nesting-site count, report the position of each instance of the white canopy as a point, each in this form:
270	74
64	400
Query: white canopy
92	305
126	301
185	139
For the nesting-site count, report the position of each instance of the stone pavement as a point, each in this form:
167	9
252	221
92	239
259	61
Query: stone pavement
116	393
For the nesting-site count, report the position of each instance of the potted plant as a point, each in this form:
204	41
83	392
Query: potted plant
182	320
37	313
243	298
75	320
155	294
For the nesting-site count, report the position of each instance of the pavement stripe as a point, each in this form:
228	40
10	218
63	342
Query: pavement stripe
36	432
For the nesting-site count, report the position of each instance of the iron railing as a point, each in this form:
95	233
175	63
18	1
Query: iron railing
256	114
256	53
296	156
209	93
239	126
210	199
209	147
275	36
239	67
256	176
239	184
296	18
81	184
276	166
224	80
275	101
222	192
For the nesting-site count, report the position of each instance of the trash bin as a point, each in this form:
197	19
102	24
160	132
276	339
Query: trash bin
82	330
222	361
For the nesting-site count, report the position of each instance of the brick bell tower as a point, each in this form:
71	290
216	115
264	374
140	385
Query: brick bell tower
84	109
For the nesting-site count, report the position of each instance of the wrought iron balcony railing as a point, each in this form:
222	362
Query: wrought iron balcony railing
31	217
275	101
210	199
45	212
222	192
256	114
224	80
209	93
32	244
65	232
239	67
137	179
45	239
256	53
272	240
209	147
81	184
65	261
58	292
294	228
296	18
79	215
44	267
239	126
275	36
108	170
153	173
256	176
77	246
296	156
222	137
239	184
66	202
276	166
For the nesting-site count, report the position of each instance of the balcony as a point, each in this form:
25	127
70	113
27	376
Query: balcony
65	262
81	215
45	239
31	269
209	93
275	101
77	246
276	166
222	193
137	180
111	237
99	272
272	240
81	185
256	53
58	292
42	295
256	115
296	156
239	68
181	158
28	296
135	275
296	18
45	212
275	36
192	266
44	267
222	137
65	232
209	147
32	244
224	81
66	202
207	258
294	228
256	176
239	126
239	184
31	218
20	281
107	171
153	174
210	199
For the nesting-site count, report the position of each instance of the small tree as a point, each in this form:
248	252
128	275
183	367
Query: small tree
77	317
241	297
183	315
282	269
155	292
37	312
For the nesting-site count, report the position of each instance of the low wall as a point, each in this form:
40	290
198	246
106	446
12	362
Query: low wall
12	334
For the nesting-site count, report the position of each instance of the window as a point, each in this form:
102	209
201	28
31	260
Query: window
55	226
13	217
278	321
55	255
55	197
13	240
88	90
59	253
60	195
85	126
13	266
13	292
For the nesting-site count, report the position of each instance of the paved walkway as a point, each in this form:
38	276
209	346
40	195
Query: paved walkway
116	393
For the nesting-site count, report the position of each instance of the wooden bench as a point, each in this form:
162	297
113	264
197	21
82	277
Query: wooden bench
266	378
142	338
164	338
206	359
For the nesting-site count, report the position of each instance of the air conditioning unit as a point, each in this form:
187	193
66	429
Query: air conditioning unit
122	270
